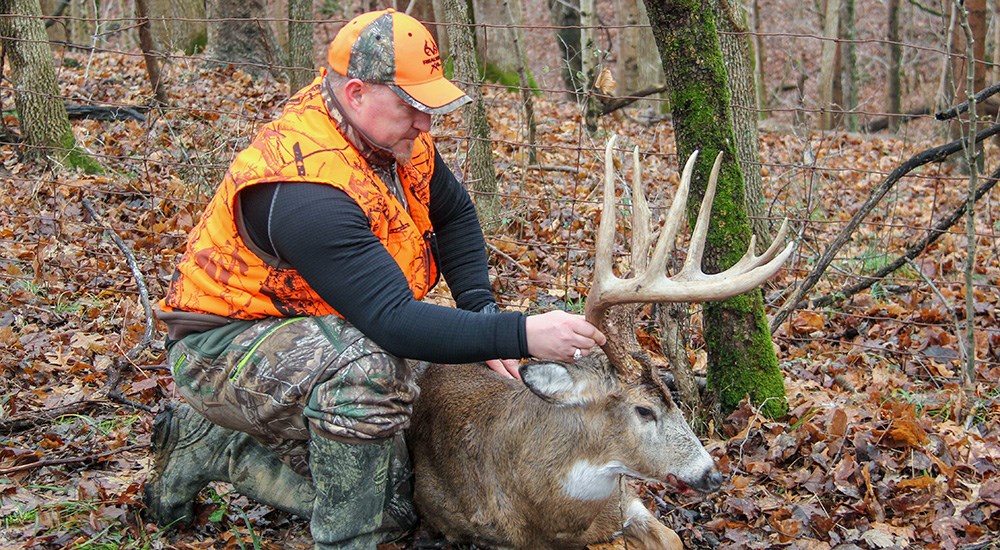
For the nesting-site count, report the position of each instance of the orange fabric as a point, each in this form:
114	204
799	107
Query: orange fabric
219	274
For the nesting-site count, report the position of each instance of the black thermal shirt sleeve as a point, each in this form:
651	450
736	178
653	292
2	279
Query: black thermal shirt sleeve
461	250
325	236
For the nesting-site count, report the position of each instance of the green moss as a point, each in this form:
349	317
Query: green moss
197	44
75	157
509	78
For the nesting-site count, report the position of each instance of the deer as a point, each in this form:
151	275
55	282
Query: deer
538	463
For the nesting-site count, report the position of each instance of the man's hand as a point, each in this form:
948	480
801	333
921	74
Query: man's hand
508	368
560	336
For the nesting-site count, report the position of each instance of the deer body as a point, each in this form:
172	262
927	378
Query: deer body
538	464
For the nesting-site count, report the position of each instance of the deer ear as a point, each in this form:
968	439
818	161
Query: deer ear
554	382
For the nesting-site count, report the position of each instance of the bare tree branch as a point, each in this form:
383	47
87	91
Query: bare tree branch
964	106
912	251
935	154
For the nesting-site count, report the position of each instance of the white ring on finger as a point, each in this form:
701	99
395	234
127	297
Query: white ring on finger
577	354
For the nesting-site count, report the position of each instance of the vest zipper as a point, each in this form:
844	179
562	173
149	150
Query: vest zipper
430	254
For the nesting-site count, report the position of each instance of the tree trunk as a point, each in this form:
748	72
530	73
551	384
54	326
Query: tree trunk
480	156
976	10
741	358
148	44
894	106
828	67
588	42
760	58
495	41
735	45
638	64
850	65
567	21
977	21
238	33
514	19
179	25
301	65
82	23
39	104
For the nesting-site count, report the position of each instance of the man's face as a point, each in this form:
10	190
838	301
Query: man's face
390	121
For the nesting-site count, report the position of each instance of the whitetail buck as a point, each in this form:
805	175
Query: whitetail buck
539	464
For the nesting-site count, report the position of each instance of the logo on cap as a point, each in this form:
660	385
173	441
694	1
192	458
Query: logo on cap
433	57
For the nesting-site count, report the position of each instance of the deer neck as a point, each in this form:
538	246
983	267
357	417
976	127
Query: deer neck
594	481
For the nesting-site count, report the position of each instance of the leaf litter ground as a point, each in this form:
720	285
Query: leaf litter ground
883	447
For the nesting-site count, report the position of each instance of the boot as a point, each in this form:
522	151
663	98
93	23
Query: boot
350	482
190	452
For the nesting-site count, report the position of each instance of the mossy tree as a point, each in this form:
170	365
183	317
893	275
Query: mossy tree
44	123
741	357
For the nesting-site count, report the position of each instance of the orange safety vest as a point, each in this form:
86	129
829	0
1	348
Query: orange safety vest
221	275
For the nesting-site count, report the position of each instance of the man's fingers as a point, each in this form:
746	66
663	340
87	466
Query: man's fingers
503	368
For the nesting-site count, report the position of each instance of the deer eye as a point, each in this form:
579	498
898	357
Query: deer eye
645	413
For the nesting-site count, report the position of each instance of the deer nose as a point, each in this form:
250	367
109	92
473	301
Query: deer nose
712	480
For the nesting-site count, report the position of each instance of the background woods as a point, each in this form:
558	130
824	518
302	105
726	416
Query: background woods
884	322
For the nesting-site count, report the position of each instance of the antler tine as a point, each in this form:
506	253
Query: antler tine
672	226
605	239
691	284
692	264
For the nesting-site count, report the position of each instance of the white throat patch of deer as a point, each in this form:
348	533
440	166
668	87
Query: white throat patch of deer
536	464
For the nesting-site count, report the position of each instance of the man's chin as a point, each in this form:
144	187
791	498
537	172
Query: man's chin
403	152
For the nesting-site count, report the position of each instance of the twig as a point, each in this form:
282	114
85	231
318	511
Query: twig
964	106
611	105
509	259
553	168
140	280
928	156
25	422
71	460
951	311
970	147
912	251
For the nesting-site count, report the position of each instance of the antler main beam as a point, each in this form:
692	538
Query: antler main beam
650	282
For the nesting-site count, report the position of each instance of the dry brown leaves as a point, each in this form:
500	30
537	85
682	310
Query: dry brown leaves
876	452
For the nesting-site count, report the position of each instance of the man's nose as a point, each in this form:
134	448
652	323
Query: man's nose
422	122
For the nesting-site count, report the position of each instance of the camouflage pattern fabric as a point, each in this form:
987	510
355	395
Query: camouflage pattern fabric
278	378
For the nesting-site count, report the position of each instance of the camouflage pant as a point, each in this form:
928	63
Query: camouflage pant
276	379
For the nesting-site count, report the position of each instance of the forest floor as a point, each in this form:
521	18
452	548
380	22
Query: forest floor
885	445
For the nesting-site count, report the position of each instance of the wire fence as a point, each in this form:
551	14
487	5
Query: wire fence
58	265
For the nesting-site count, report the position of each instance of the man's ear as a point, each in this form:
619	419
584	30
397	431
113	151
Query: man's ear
354	92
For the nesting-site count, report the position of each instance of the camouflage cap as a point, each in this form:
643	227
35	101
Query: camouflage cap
392	48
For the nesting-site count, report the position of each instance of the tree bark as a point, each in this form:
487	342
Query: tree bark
735	45
480	155
148	44
895	52
567	21
495	40
741	358
179	24
849	62
828	67
44	123
638	64
301	65
238	33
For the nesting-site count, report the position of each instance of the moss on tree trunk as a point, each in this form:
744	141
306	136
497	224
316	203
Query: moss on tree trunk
741	358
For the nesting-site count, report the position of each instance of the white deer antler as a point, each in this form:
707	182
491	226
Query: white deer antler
649	282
